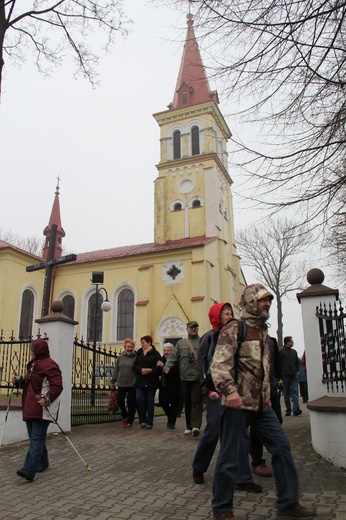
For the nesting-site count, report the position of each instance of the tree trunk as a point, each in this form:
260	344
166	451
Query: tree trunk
280	324
3	28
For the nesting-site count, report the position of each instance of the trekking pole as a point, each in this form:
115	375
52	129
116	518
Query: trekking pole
8	409
88	468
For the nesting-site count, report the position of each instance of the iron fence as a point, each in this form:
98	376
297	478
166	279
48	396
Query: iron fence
333	345
92	369
14	357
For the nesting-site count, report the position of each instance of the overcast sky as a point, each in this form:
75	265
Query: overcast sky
103	143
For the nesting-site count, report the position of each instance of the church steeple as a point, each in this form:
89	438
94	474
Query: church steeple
192	85
54	225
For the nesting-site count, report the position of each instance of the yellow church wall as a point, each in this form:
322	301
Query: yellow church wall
13	281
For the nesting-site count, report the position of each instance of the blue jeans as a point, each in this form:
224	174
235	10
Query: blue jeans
145	398
208	442
291	392
37	455
233	425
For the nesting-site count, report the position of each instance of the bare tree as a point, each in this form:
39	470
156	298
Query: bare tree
49	29
271	250
31	244
284	66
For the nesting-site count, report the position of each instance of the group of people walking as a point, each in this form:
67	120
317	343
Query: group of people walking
233	369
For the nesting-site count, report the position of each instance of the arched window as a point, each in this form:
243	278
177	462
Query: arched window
94	332
176	144
68	302
196	203
125	318
26	314
177	206
195	140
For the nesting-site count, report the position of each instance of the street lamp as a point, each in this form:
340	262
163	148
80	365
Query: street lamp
97	280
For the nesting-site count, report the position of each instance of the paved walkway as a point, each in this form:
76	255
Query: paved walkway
146	474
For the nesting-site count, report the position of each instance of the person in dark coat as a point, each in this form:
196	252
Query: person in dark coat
169	393
147	380
42	387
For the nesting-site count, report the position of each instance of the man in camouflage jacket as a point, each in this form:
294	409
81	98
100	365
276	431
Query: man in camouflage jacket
241	374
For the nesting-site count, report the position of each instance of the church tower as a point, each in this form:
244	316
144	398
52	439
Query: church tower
192	190
54	232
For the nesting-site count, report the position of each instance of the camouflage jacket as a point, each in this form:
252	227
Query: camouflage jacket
246	368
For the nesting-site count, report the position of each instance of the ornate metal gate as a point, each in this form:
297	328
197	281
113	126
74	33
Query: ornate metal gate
333	345
92	369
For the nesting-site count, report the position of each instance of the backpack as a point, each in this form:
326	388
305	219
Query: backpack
211	349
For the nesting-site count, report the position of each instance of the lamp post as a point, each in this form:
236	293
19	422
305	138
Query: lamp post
97	280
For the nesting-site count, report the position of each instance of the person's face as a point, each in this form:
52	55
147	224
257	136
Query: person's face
226	315
263	306
290	343
167	351
145	344
129	348
192	331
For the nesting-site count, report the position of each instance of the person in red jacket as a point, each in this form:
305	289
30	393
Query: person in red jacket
42	387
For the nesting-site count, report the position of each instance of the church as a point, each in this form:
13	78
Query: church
153	288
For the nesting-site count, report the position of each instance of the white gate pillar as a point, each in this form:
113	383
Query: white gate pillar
60	330
327	409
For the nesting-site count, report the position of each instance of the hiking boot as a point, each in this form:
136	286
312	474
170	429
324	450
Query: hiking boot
197	476
187	431
297	511
262	470
25	474
223	516
297	412
40	469
252	487
195	432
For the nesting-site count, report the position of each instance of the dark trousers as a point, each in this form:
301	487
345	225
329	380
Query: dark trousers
303	387
127	402
37	455
145	398
256	445
193	400
169	400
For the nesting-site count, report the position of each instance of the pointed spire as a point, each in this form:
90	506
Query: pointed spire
55	220
192	85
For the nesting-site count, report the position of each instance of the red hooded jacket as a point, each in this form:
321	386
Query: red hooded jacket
41	370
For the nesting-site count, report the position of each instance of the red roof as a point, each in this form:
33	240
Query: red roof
143	249
192	79
4	245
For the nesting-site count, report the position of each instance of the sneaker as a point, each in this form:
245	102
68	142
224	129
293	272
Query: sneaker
297	511
127	425
187	432
171	426
223	516
197	476
148	426
143	425
195	432
262	470
252	487
288	414
25	474
297	412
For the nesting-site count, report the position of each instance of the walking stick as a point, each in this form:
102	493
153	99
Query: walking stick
8	409
88	468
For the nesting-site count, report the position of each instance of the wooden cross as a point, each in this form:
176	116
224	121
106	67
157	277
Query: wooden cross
49	265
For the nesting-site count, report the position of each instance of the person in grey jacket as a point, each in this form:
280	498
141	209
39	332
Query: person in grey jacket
124	377
185	352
